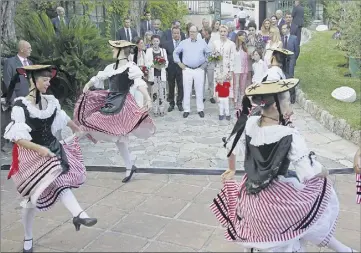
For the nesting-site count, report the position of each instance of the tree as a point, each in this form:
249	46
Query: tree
136	12
8	8
167	11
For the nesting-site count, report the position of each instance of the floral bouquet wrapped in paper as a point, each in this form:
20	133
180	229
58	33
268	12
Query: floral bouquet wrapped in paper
145	70
159	62
215	57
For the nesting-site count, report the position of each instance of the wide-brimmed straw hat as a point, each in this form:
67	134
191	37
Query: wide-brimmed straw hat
32	68
282	51
120	43
272	87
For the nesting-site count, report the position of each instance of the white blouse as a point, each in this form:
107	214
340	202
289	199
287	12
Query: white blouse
19	130
135	73
298	153
259	71
275	73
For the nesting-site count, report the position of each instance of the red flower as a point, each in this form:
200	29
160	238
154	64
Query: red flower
159	60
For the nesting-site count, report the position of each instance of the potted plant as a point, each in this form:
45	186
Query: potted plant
350	30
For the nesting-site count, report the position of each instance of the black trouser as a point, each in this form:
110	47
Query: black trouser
242	23
5	120
174	76
298	34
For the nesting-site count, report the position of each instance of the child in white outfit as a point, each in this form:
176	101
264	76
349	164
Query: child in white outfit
222	97
259	67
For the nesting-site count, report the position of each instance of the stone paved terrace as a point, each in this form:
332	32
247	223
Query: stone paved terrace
152	213
196	143
163	213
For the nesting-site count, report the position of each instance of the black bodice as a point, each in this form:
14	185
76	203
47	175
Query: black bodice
41	134
120	82
266	162
119	86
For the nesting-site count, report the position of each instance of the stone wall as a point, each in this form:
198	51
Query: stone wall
335	125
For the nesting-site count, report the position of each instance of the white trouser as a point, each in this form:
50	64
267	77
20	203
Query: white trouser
223	106
188	76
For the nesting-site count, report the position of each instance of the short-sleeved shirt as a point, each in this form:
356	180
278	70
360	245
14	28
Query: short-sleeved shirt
223	90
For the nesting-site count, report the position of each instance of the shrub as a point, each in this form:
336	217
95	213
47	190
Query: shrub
78	50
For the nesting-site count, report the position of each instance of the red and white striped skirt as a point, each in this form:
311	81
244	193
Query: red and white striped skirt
41	179
358	188
279	213
87	114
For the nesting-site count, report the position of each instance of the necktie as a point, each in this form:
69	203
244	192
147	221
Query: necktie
25	62
285	44
148	26
128	35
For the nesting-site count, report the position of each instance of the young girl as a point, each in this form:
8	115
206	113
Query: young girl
240	68
357	168
222	96
43	169
157	75
259	67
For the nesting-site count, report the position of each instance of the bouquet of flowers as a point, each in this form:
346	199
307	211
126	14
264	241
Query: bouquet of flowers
215	57
145	70
159	62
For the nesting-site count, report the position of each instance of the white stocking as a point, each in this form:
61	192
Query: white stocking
338	246
28	221
70	202
124	152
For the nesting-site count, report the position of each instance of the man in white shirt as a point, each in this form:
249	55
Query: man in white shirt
242	15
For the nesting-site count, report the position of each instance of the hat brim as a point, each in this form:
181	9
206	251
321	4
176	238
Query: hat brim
282	51
32	68
120	43
272	87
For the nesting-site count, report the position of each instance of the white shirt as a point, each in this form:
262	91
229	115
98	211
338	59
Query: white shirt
259	71
22	61
242	14
130	33
275	73
238	63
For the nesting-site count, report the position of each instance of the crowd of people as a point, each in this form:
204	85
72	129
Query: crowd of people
202	59
297	207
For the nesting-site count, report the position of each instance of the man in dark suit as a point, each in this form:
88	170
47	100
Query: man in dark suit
280	19
298	16
126	33
290	43
21	88
167	34
174	71
146	25
156	28
60	19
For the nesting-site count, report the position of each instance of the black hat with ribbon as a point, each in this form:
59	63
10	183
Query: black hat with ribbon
29	72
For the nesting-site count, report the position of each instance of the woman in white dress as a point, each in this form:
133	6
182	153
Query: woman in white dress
111	115
157	77
227	50
272	210
274	42
215	35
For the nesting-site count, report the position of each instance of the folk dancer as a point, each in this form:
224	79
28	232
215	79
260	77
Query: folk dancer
271	210
43	169
111	115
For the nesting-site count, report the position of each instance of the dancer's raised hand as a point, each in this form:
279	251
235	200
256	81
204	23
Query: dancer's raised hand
87	86
228	175
149	104
44	152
